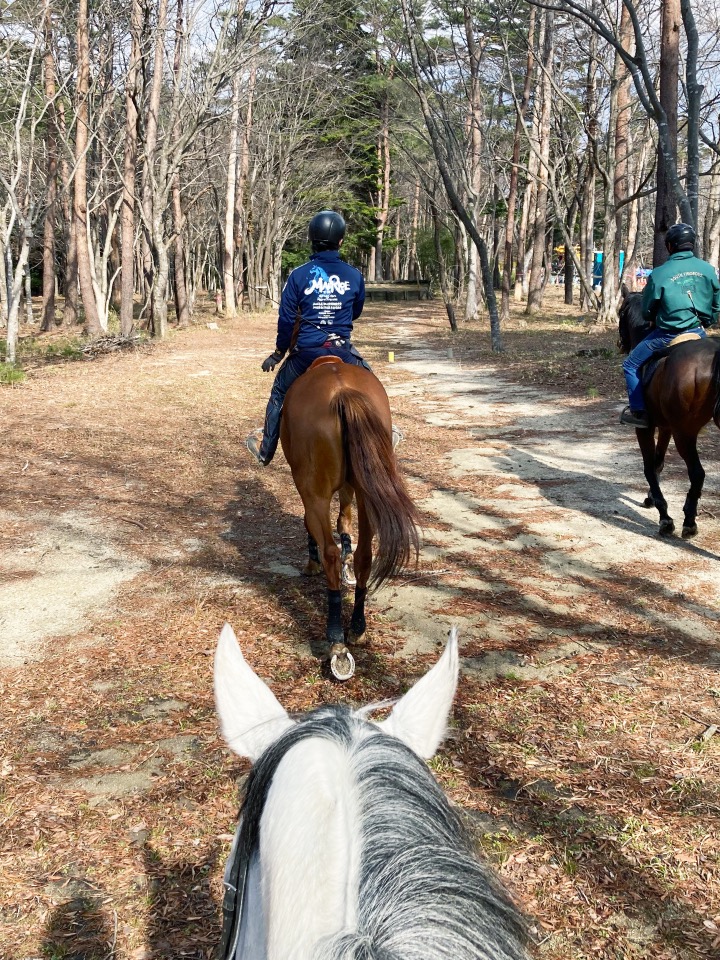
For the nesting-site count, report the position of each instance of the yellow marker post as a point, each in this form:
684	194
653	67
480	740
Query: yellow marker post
391	356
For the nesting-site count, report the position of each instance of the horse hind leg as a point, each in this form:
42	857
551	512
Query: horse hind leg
344	529
317	521
687	448
646	442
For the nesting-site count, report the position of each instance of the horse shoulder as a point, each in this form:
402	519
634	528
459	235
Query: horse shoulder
310	849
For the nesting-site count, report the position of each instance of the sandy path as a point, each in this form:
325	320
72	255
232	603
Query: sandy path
561	479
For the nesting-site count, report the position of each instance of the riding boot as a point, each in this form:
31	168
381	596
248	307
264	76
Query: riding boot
264	450
271	433
635	418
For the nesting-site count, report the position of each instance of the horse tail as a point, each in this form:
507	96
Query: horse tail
372	470
716	386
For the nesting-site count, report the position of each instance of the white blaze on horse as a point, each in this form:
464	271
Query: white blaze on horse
347	848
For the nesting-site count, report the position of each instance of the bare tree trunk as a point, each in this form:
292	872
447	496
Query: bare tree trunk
442	270
127	215
48	287
28	294
609	293
665	203
70	307
15	283
92	319
529	197
3	287
475	136
514	173
694	92
240	222
535	292
395	258
622	128
182	307
569	276
587	203
413	268
383	182
151	207
230	190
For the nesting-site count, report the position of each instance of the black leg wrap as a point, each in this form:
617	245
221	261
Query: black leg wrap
357	623
313	549
345	545
334	620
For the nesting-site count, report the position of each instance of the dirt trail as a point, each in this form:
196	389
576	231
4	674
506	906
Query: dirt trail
561	480
134	523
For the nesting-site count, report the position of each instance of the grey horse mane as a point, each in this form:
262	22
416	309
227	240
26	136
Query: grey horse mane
423	894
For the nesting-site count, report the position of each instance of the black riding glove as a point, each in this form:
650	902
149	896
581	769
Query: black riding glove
272	361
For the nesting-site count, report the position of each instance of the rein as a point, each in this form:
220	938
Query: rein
235	882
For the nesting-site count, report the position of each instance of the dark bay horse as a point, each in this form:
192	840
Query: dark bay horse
683	395
336	434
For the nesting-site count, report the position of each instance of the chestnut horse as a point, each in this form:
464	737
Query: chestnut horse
336	434
682	395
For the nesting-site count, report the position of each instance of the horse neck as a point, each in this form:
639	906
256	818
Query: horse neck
638	327
309	851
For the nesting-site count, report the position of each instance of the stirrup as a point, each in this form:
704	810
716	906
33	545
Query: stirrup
397	437
253	444
638	419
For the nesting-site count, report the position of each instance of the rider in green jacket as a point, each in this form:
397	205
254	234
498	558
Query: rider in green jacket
682	296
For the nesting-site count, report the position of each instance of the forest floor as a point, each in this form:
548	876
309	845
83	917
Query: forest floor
584	749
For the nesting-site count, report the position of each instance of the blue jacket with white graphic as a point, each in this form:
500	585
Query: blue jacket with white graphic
328	293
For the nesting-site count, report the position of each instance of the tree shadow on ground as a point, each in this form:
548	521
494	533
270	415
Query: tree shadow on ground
183	917
596	852
80	929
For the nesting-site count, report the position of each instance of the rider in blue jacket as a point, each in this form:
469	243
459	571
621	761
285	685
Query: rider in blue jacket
327	295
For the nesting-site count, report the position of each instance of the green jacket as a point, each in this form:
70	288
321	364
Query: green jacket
681	293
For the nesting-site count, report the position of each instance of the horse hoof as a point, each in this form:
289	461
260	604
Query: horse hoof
348	575
342	663
312	568
666	527
688	532
356	638
647	502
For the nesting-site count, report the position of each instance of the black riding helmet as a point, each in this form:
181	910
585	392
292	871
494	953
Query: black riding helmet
326	230
680	236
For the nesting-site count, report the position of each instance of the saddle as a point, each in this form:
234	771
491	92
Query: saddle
647	370
330	358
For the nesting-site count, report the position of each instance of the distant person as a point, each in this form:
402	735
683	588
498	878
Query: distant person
682	295
327	295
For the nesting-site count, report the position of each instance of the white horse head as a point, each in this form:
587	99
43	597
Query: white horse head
346	838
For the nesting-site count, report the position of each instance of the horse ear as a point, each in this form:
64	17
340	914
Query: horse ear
624	290
420	718
251	718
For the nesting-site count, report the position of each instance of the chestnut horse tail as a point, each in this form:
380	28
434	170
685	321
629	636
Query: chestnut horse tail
372	470
716	386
